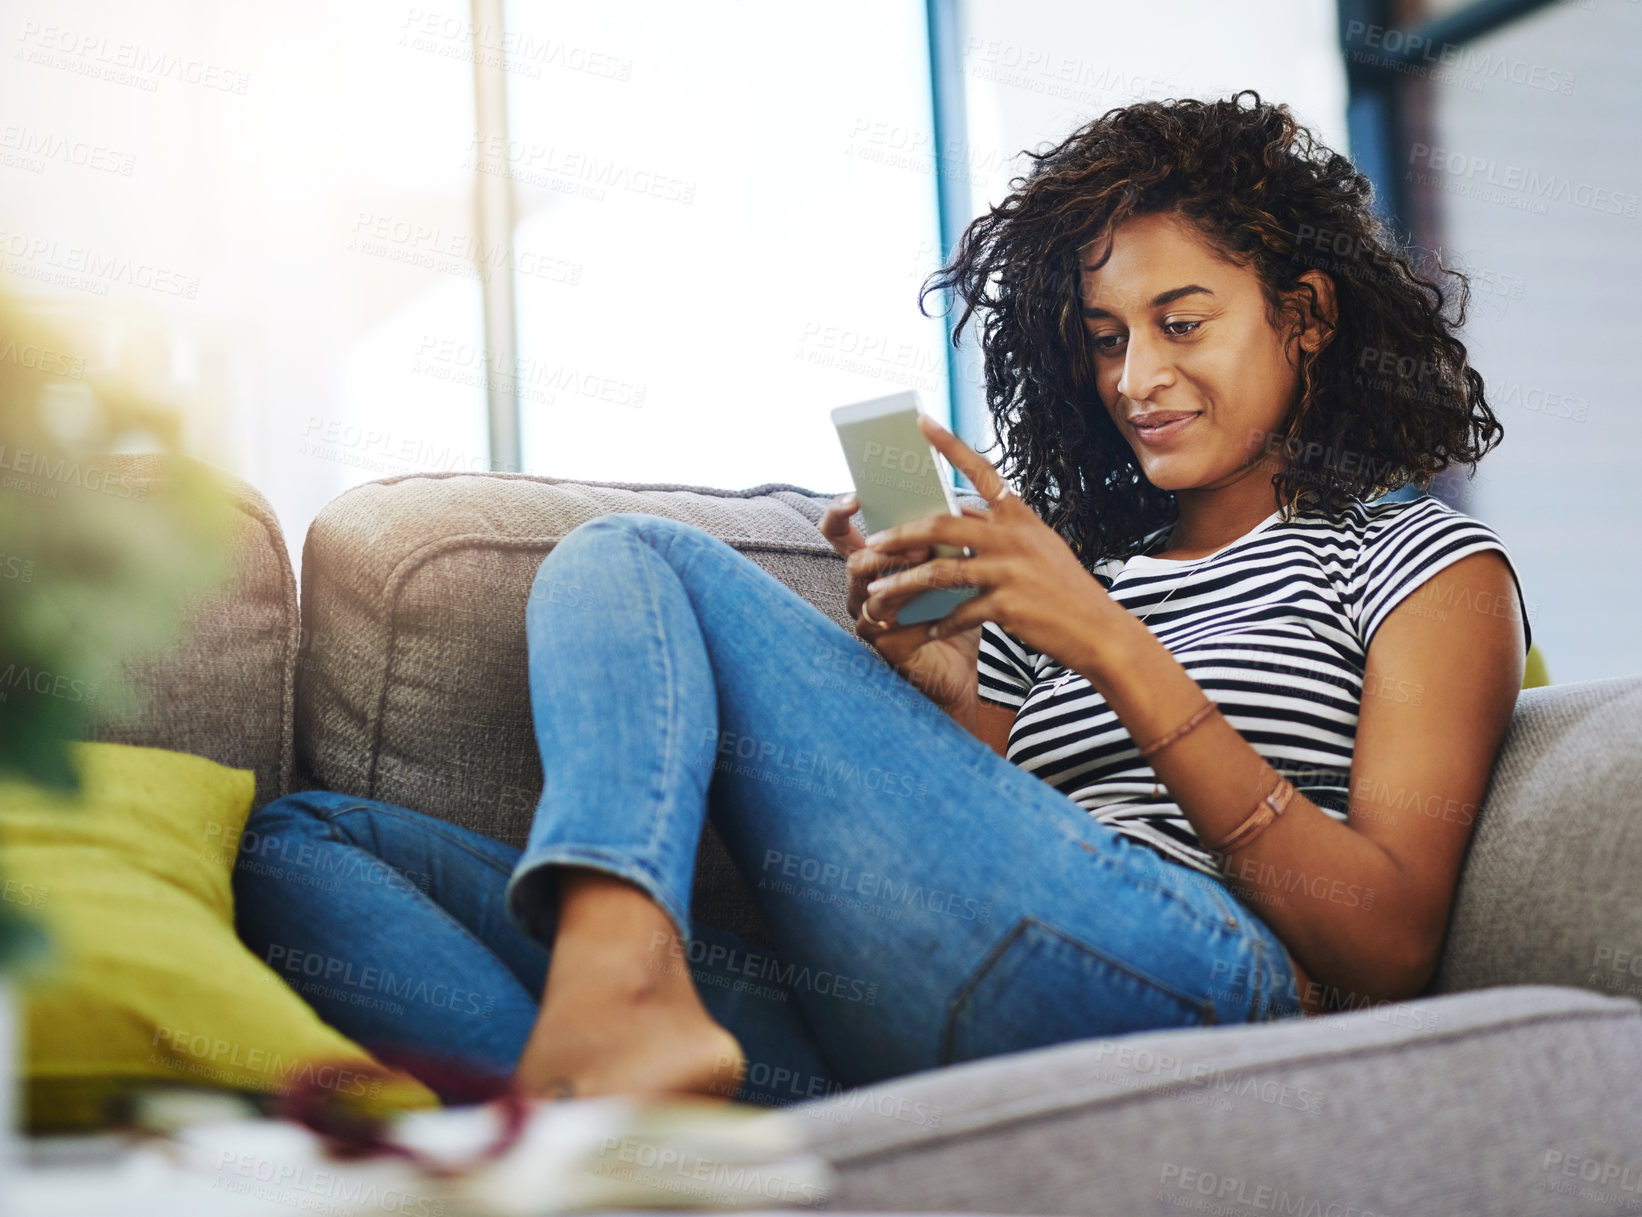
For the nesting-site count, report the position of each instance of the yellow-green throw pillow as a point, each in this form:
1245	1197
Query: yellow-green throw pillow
146	979
1535	675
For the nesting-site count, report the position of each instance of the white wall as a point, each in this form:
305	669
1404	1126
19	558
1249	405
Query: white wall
258	213
1036	70
1531	162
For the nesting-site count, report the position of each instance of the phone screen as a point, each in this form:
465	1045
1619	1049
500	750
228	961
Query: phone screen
900	477
898	473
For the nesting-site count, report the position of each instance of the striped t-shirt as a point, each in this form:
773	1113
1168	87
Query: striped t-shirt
1275	627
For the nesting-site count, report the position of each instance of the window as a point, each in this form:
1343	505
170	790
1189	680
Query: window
724	213
261	215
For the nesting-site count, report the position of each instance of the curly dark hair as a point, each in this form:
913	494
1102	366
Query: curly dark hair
1387	401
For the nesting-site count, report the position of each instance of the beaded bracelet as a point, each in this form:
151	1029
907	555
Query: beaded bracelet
1157	745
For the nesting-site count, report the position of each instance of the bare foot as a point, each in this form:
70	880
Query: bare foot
620	1013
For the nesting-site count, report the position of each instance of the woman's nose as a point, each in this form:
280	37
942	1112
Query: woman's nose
1146	368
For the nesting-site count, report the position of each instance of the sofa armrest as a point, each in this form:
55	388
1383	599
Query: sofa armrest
225	689
1548	894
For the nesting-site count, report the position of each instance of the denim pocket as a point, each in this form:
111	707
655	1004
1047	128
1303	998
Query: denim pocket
1041	986
1232	909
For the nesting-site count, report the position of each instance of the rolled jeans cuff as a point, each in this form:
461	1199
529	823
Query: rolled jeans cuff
531	899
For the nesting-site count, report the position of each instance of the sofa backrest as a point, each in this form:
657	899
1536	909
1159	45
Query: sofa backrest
410	686
411	681
225	689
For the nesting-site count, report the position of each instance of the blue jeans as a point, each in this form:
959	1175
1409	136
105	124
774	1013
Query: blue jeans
932	902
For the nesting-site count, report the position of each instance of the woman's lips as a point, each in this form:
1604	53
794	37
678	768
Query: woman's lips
1154	435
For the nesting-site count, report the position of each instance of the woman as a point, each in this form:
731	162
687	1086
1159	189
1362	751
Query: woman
1174	765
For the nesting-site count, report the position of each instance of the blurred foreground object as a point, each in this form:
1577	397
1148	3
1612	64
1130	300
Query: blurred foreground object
93	567
606	1153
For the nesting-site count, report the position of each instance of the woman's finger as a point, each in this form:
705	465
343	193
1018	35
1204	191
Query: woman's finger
835	525
970	613
988	482
891	592
869	562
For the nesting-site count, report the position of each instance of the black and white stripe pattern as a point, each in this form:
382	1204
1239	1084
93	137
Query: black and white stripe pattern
1275	627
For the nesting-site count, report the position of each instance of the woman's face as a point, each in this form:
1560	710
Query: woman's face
1189	368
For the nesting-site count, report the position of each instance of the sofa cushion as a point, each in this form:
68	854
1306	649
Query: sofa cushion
412	684
1548	894
1509	1101
147	982
224	690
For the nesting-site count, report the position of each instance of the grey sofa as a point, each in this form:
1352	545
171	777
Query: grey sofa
1513	1086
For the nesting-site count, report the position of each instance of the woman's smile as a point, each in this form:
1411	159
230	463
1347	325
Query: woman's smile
1156	428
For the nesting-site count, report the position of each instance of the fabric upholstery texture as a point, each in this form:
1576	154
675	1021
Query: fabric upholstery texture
147	981
1490	1103
1549	890
412	683
225	689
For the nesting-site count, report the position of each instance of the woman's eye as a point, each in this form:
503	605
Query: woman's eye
1105	344
1170	327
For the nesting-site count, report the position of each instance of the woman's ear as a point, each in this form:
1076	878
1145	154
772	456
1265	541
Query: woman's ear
1319	309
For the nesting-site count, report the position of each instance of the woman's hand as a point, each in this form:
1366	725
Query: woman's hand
945	670
1031	582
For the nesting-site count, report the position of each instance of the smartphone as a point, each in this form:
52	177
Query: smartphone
900	477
